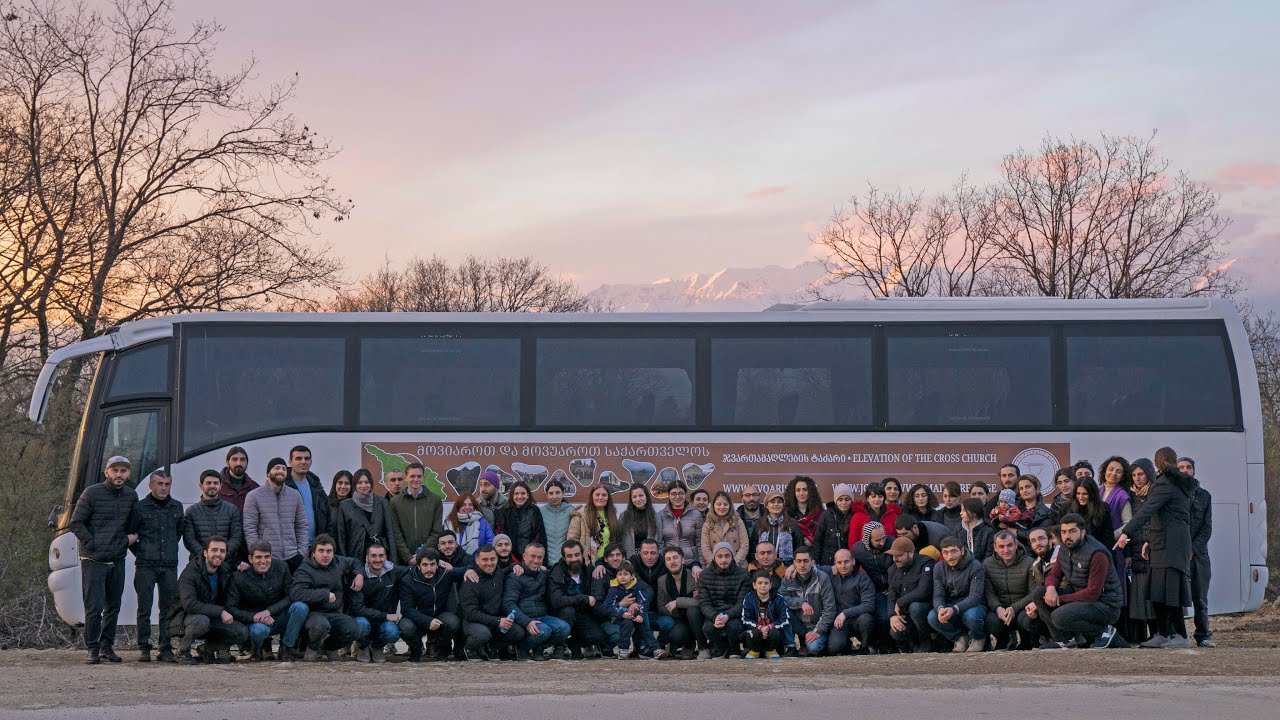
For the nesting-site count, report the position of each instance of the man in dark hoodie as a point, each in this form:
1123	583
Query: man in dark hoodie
1201	530
855	601
315	503
570	598
236	483
1010	582
213	516
259	598
721	590
157	523
833	529
959	596
322	582
101	526
480	603
201	611
910	596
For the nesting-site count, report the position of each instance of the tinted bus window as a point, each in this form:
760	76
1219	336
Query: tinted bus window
791	381
439	381
615	382
141	371
237	385
1140	379
956	378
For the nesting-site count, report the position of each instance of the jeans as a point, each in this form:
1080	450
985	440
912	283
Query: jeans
551	631
145	580
1200	595
629	629
918	629
384	633
800	629
1003	633
973	620
296	619
259	632
663	625
102	585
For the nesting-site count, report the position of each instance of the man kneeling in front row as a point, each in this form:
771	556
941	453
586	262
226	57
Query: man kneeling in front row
1081	598
200	613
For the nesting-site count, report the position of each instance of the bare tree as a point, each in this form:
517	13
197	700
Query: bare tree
473	285
1072	220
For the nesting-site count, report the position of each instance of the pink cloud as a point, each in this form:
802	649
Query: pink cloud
767	191
1241	176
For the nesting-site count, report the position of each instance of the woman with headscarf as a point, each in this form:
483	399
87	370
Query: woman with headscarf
520	518
468	523
363	518
803	504
874	506
639	521
1166	517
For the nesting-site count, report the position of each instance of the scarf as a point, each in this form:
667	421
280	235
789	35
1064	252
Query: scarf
809	522
601	536
1141	491
363	500
783	544
469	531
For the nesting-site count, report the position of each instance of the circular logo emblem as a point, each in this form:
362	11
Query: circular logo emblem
1037	461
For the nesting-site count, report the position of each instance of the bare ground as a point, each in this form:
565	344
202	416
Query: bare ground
1248	653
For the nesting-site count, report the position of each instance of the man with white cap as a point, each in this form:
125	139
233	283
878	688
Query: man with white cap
100	522
833	529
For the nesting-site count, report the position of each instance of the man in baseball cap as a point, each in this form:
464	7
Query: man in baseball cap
100	522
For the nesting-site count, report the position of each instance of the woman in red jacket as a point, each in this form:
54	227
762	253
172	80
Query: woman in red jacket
874	506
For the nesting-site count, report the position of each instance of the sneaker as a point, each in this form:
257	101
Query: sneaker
559	652
961	645
110	654
622	653
1206	643
607	653
688	654
790	652
704	654
377	655
1156	641
753	655
94	658
976	646
312	656
1054	645
364	655
166	656
1177	642
646	654
774	656
1104	640
575	653
661	653
144	654
187	658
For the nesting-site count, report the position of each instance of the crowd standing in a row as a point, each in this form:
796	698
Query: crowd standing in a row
349	571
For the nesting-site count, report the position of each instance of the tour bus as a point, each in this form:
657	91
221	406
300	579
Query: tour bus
924	390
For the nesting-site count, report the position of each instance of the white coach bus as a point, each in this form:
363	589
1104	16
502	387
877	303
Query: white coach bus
925	390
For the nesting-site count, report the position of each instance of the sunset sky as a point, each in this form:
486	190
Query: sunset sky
622	142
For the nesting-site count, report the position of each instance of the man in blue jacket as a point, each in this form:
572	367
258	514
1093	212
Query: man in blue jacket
525	597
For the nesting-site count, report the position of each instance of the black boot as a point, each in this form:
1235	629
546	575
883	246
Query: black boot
94	658
144	653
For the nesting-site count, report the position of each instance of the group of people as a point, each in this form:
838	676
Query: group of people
349	571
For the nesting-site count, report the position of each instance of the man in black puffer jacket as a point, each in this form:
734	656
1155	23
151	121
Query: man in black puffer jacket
322	582
157	522
910	596
374	607
721	590
101	525
201	610
480	604
259	598
213	516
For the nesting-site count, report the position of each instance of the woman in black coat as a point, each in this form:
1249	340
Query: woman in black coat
1166	520
520	519
363	518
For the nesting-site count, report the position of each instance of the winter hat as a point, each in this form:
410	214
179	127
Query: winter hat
719	545
844	489
274	462
902	546
492	477
1191	461
1008	496
868	529
501	536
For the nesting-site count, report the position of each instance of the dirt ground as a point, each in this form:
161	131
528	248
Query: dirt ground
1249	651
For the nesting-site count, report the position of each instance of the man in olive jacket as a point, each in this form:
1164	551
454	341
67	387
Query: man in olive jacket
1010	586
101	525
417	515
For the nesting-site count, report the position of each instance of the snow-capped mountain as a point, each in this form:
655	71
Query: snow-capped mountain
731	289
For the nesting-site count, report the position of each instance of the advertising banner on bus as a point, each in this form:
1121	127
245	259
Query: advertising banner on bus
452	468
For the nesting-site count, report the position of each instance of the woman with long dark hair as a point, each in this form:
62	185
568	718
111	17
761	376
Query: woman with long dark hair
892	491
339	490
1035	513
639	521
520	519
1141	612
920	503
1096	514
363	518
803	504
595	524
1116	481
777	528
1166	516
874	506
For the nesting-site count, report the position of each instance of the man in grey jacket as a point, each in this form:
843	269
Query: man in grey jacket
810	602
274	514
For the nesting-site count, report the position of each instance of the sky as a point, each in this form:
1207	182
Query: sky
623	142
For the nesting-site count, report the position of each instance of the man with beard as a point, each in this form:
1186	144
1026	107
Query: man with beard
418	515
201	611
750	510
1008	477
236	484
212	516
480	604
721	590
569	596
275	514
259	598
680	619
429	603
454	560
321	583
1081	599
910	596
811	604
1201	530
855	601
1042	557
315	503
1010	583
488	497
924	534
870	554
374	607
765	559
959	592
833	529
157	524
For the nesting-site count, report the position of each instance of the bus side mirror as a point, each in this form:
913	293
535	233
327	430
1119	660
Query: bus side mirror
53	516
